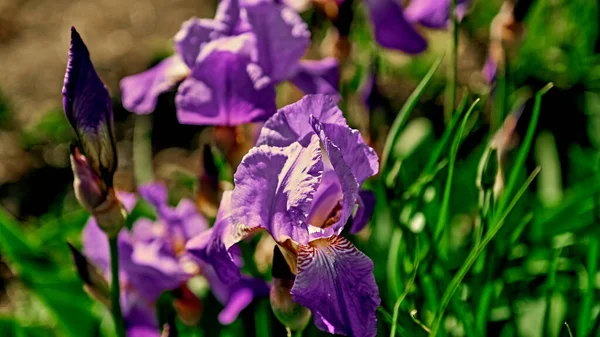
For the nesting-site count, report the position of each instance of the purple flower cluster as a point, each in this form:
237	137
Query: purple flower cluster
230	66
153	259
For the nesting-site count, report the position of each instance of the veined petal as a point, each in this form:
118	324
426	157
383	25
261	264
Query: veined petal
335	280
391	29
291	123
227	87
274	188
282	38
140	91
366	205
89	110
318	77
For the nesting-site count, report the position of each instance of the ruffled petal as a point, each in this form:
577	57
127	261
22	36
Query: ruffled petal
88	107
318	77
140	92
291	123
274	188
209	247
335	280
282	38
193	35
227	87
366	205
391	28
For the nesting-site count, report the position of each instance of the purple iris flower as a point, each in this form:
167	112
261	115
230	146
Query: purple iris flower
230	66
394	27
153	259
301	183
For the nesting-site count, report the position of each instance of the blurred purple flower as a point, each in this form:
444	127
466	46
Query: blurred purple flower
303	197
394	27
230	64
88	108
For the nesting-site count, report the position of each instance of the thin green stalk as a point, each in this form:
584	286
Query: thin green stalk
524	150
443	217
473	255
115	289
551	285
453	68
402	117
583	325
409	284
393	265
142	150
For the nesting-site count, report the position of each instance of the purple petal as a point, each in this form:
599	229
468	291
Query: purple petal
140	91
366	205
335	280
234	296
274	188
490	69
228	14
193	35
209	246
318	77
89	110
392	30
154	193
226	86
433	13
152	268
291	123
282	37
139	316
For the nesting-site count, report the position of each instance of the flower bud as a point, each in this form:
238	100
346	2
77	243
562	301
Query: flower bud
96	197
291	314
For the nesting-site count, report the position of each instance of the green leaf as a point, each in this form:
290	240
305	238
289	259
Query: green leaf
404	113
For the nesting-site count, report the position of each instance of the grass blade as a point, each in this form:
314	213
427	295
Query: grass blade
402	117
464	269
443	217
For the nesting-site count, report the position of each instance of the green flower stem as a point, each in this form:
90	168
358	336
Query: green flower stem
115	289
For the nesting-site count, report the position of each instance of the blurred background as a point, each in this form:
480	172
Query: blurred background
559	43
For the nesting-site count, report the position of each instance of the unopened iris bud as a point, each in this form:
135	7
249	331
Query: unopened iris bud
93	282
88	108
291	314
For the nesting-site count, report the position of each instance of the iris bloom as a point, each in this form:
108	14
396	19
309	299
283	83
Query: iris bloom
88	108
301	183
153	260
230	64
394	27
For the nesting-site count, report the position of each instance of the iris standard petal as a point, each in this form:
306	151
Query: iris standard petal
140	92
274	188
282	38
89	110
391	29
227	87
335	280
193	35
291	123
318	77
